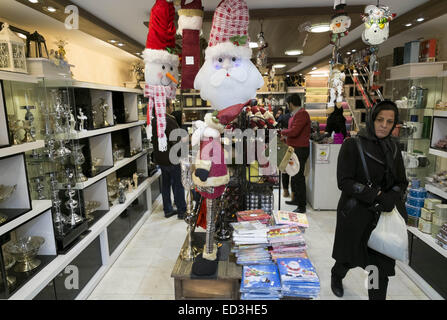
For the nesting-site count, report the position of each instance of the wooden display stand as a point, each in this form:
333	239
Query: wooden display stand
224	287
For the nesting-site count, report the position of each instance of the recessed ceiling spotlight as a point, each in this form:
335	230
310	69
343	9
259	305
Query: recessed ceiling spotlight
420	19
408	24
34	1
51	9
320	27
353	50
349	52
253	45
120	44
314	68
279	66
112	41
294	52
301	74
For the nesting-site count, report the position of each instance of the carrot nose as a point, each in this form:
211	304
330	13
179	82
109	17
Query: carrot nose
338	25
170	76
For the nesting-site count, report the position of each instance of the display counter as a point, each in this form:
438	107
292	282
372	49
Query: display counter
322	190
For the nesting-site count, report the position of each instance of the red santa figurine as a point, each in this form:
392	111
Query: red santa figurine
228	80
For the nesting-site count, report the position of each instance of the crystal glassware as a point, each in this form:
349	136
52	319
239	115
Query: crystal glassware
95	163
73	219
78	159
25	251
40	188
90	207
6	193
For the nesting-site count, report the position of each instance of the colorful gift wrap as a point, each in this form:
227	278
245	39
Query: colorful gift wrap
417	202
418	193
413	221
427	214
413	211
425	226
431	203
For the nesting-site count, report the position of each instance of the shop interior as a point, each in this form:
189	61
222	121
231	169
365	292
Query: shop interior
81	193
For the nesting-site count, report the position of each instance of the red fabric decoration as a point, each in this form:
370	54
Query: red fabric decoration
161	33
201	217
191	48
196	4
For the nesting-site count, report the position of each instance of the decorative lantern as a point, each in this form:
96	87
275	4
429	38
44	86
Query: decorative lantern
12	51
36	50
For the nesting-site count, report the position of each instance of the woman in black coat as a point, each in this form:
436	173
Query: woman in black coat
360	204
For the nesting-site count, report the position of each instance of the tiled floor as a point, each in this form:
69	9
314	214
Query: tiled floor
143	270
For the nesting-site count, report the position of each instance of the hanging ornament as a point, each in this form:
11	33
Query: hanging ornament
261	56
340	22
377	29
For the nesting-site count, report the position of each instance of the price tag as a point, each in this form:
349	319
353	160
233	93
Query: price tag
189	60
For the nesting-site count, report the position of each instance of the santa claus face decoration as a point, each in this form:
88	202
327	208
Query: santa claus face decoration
160	73
226	80
340	23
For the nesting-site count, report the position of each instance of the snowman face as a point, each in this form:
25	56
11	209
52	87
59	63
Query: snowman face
375	35
340	24
155	73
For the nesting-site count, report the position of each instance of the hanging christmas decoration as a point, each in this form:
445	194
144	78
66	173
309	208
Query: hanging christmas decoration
261	56
340	22
377	29
189	27
336	84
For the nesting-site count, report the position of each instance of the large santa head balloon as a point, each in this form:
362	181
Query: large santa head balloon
228	77
161	66
377	27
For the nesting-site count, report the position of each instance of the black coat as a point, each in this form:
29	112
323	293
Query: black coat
356	217
162	157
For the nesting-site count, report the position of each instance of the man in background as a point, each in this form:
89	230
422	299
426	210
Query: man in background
170	173
297	136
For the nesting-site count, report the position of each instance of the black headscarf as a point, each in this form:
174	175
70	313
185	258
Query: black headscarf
387	144
336	122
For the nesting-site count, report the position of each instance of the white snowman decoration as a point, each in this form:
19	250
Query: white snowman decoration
336	83
340	23
161	67
377	26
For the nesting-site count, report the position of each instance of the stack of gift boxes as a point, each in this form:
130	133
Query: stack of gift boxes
427	216
415	202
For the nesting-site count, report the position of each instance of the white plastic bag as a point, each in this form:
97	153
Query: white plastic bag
390	236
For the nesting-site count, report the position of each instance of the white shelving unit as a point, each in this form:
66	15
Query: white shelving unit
39	206
438	153
440	113
416	70
436	191
92	133
428	239
19	77
41	280
19	148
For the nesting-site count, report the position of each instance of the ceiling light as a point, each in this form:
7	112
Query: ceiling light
253	45
353	50
112	41
120	44
420	19
34	1
294	52
408	24
301	74
314	68
51	9
279	66
348	53
320	27
21	35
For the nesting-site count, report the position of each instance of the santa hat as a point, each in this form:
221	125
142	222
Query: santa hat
229	31
161	36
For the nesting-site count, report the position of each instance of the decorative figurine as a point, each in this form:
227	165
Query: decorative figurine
122	192
82	119
135	180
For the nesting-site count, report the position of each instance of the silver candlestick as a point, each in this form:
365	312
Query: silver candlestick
190	252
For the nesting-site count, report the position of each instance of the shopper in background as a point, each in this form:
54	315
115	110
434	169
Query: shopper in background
283	123
170	173
360	204
297	136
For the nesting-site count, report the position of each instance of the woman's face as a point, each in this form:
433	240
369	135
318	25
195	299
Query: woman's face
384	123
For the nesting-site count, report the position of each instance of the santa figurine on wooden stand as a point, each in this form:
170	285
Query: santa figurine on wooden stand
228	80
161	67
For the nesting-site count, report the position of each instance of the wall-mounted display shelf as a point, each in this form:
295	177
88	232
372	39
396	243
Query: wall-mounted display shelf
416	70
